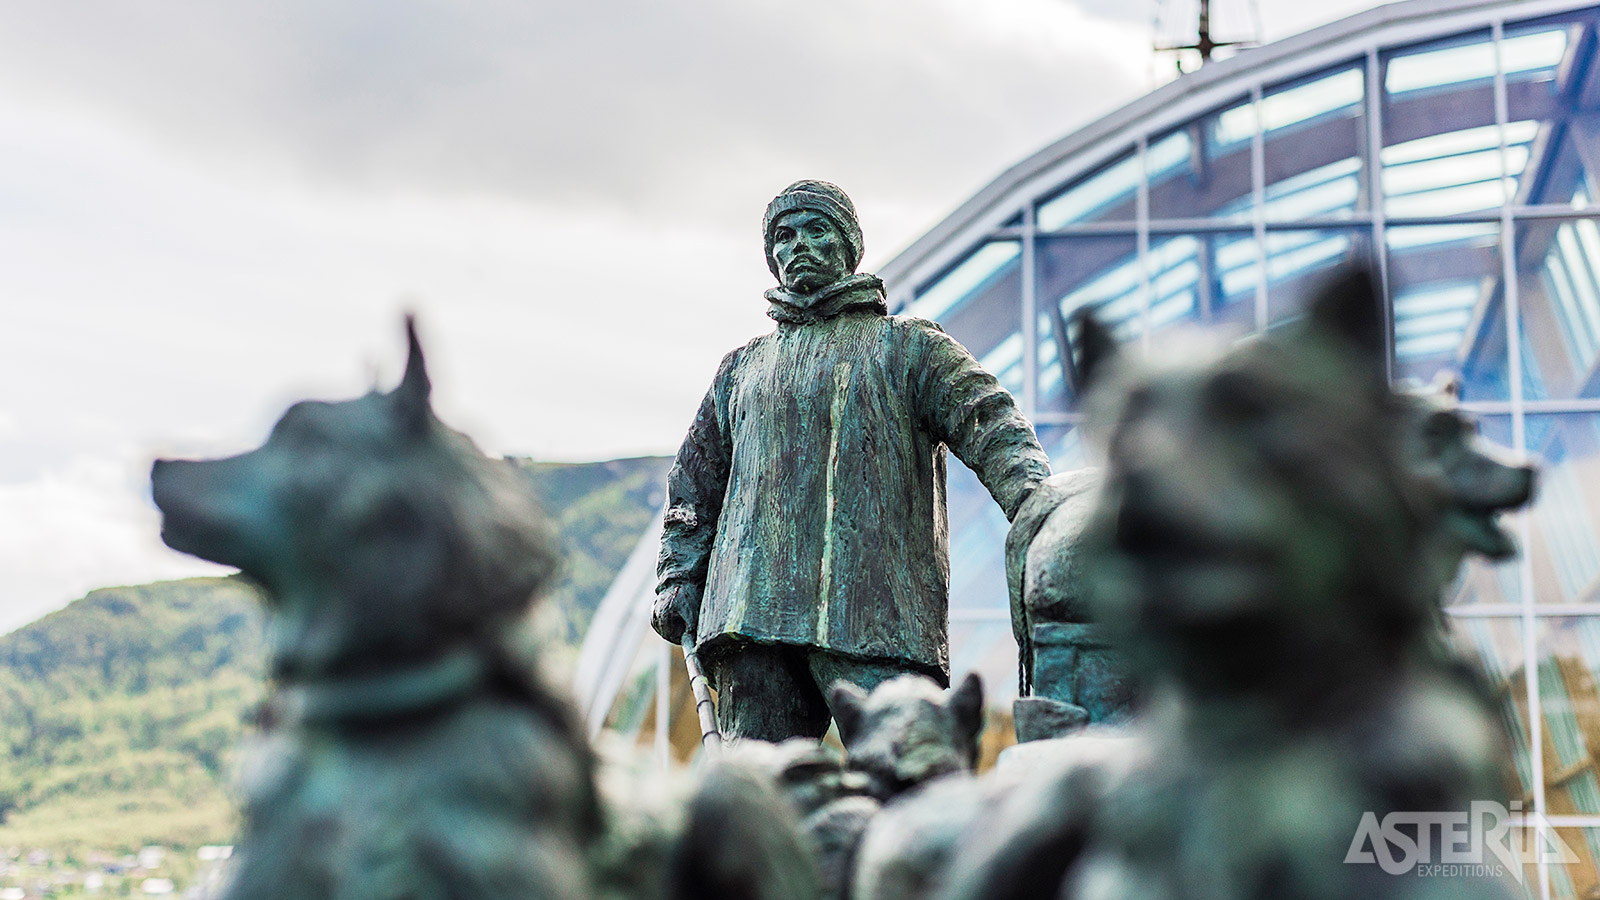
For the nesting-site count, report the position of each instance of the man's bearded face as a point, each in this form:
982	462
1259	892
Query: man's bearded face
809	250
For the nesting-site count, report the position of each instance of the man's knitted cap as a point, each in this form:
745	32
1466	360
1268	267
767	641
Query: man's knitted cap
820	197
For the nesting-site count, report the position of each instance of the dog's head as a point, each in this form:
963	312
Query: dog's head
909	730
1259	521
1442	444
377	531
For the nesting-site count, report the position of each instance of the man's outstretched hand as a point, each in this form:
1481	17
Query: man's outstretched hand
676	611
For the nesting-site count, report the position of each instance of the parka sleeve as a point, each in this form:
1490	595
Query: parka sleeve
696	485
965	407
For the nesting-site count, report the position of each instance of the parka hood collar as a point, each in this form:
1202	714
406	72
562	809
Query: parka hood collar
861	291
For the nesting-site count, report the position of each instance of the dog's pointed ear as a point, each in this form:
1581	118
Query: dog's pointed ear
1350	307
847	702
966	704
1095	349
412	396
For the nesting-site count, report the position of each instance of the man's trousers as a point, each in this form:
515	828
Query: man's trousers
772	692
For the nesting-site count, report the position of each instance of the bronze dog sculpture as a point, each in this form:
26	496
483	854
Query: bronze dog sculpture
1076	678
1265	550
411	748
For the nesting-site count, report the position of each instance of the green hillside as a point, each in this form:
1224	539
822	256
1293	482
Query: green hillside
119	714
602	507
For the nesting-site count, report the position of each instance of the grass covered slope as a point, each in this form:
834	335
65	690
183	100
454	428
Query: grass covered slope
119	714
602	509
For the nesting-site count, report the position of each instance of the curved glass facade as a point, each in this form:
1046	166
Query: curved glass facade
1455	148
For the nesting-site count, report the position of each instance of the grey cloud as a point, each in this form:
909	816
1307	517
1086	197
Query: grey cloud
637	106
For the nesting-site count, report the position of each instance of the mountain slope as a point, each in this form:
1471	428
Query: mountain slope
119	713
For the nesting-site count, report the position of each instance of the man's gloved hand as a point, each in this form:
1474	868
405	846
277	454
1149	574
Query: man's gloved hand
676	611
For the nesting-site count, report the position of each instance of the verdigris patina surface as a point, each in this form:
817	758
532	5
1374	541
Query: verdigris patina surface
411	745
1266	549
806	538
1073	674
407	713
1070	675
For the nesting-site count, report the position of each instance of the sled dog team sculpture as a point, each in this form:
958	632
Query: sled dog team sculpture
1257	569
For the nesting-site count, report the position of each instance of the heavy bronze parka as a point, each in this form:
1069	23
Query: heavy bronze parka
807	502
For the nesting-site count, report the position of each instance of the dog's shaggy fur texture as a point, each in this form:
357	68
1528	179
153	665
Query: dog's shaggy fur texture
411	750
1266	552
1439	445
909	730
917	745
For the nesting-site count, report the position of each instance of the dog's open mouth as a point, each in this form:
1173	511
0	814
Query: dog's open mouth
1481	498
1481	531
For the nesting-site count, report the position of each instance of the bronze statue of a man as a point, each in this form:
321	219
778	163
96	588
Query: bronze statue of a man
806	539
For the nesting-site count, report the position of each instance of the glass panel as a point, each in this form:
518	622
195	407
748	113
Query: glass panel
1572	854
1315	133
1100	272
1185	288
635	699
988	649
1202	170
1004	361
1480	581
1569	662
1564	546
1236	262
1559	293
1454	172
966	280
1485	582
1106	196
1444	285
1299	261
1551	81
1231	127
1441	147
1495	644
979	302
1441	65
977	544
1066	447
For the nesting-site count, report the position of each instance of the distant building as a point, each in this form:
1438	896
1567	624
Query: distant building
214	852
1453	146
152	857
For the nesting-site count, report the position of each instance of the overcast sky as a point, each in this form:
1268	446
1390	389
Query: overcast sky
209	210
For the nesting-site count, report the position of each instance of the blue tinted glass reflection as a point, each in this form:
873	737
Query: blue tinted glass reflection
1445	290
1073	272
